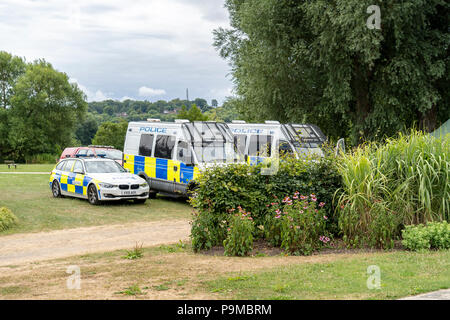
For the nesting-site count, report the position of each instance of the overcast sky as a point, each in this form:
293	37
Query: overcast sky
139	49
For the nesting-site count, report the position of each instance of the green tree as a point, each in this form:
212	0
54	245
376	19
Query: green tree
317	61
45	110
214	103
11	67
193	114
111	134
86	131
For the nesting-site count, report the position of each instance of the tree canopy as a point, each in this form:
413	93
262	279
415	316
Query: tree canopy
317	61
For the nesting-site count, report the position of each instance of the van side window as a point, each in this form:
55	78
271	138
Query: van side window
260	145
146	145
240	141
184	153
164	146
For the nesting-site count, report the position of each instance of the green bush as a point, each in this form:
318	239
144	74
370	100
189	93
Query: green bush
402	182
299	223
239	240
433	235
221	188
42	158
7	219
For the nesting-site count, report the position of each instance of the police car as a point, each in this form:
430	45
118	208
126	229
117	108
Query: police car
96	179
259	141
171	155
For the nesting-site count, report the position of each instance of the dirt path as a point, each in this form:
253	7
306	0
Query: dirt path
23	248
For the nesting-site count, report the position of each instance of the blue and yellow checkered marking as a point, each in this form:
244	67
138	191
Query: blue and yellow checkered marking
71	182
164	169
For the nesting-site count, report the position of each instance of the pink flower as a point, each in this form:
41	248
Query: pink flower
303	197
277	217
325	217
301	211
321	204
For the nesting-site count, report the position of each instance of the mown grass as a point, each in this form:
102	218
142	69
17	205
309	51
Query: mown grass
30	199
28	168
175	272
402	274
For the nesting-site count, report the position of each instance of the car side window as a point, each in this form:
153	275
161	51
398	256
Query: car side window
60	165
146	145
78	167
82	153
184	153
69	164
90	153
164	146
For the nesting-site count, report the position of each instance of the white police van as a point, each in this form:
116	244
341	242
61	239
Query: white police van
171	155
258	141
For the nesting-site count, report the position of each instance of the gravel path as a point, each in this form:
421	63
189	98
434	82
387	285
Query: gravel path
24	248
436	295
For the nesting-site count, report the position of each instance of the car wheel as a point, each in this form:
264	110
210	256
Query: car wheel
92	195
152	194
56	190
137	201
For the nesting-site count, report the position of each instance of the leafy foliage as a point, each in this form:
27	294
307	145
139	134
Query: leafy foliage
7	219
386	186
239	240
316	61
221	189
434	235
111	134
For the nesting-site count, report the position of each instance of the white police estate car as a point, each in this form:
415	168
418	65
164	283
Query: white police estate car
96	180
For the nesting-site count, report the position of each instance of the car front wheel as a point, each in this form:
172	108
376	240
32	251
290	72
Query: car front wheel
56	190
92	195
139	200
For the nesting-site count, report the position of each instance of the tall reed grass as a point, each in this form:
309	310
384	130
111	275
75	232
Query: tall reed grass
385	187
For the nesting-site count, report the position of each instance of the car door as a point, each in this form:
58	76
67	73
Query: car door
77	178
65	180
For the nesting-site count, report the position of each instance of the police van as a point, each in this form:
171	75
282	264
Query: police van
258	141
171	155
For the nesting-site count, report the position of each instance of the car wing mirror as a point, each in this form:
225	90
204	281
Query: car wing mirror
340	146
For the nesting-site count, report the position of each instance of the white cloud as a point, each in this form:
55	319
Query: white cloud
113	46
150	92
91	96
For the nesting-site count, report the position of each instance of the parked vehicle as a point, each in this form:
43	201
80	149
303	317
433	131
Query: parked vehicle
96	179
170	155
258	141
107	152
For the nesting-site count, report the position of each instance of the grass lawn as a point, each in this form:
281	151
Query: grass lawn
28	168
402	274
175	272
30	199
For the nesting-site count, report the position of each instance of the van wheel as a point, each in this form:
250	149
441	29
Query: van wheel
152	194
56	190
92	195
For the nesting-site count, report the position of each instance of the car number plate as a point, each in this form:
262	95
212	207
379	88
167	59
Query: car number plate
128	193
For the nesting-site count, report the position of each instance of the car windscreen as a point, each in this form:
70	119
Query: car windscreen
103	167
110	154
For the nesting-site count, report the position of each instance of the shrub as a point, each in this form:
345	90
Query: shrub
434	235
402	182
7	219
42	158
223	188
299	224
239	241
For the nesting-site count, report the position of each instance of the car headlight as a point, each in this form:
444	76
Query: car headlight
144	185
107	185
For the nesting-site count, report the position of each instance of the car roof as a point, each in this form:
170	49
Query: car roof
89	159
